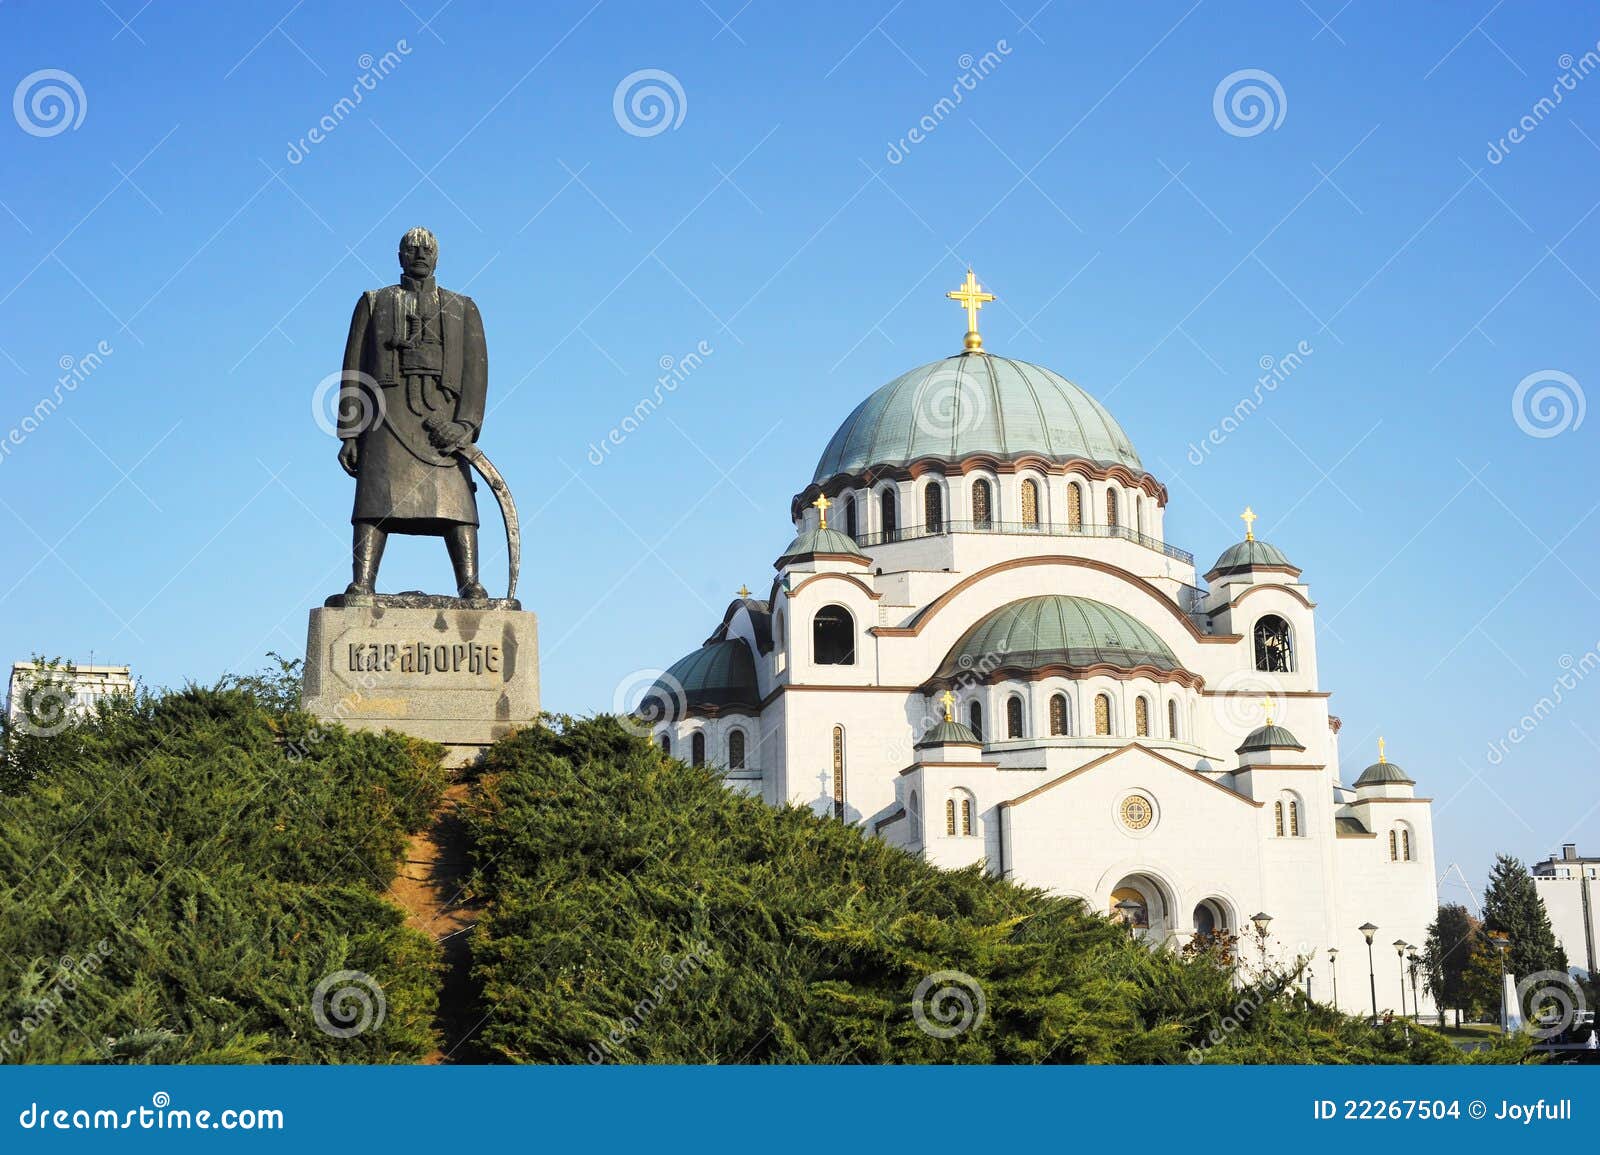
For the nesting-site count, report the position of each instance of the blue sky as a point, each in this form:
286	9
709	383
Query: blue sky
182	510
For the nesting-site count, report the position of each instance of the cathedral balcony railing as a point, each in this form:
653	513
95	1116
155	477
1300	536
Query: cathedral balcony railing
1024	529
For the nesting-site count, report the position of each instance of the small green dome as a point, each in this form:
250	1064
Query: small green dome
1250	554
1384	774
975	403
1056	630
1269	738
949	734
717	675
813	541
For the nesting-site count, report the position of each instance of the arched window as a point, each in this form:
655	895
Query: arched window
1394	846
933	507
833	637
975	719
1141	716
666	744
1014	716
1172	719
697	748
1286	816
1111	507
889	513
1405	845
914	813
1277	818
736	750
1294	819
838	771
950	816
982	505
1058	715
1102	714
1075	506
1030	502
1274	645
966	815
850	517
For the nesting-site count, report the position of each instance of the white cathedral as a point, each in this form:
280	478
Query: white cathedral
981	647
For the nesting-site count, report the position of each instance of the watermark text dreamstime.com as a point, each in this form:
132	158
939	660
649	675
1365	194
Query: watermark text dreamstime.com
53	999
673	971
1275	371
74	372
973	70
159	1115
675	371
1572	71
373	70
1573	673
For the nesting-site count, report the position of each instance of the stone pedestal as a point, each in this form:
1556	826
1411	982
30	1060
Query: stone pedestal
451	671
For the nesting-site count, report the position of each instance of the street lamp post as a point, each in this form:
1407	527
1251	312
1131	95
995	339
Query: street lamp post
1367	931
1416	1007
1400	946
1501	943
1262	920
1333	969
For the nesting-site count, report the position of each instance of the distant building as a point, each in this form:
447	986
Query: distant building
80	688
1570	888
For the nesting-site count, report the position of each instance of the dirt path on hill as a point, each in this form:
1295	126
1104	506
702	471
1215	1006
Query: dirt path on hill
428	888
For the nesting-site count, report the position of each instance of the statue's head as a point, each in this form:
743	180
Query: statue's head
419	253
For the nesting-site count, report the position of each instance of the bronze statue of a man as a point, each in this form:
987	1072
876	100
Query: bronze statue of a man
416	372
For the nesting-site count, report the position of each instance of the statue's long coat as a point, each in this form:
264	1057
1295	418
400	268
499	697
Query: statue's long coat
402	482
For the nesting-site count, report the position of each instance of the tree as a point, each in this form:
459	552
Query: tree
1445	958
1512	906
1480	980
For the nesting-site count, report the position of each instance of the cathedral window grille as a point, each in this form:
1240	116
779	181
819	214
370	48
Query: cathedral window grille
1277	818
838	771
1075	506
975	719
1405	846
982	506
1141	716
1394	848
966	817
697	748
950	816
833	637
1058	715
1111	507
1013	717
850	517
1030	502
1172	719
933	507
889	513
1274	645
736	750
1102	714
1294	819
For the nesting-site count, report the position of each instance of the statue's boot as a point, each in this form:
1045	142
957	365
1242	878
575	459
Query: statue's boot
366	553
462	542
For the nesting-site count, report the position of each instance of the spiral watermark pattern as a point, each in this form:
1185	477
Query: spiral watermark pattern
341	412
1249	102
160	1099
948	1003
950	405
1242	699
1548	403
49	102
646	698
1541	991
46	709
649	102
348	1003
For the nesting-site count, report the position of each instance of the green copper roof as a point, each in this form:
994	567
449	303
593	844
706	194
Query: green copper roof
1348	826
948	733
821	541
1385	774
717	674
976	403
1056	630
1269	738
1247	554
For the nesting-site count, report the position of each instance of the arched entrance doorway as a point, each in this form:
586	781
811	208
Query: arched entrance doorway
1152	917
1210	918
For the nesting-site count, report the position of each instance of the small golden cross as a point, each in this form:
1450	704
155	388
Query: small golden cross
744	591
1266	704
821	504
1381	758
972	297
949	700
1249	519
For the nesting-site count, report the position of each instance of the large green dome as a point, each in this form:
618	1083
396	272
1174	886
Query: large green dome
976	403
716	676
1056	630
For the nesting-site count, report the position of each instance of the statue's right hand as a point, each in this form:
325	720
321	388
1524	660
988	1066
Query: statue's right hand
349	456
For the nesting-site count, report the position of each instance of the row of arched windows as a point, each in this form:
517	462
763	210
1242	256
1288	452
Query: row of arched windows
1286	818
960	814
1400	844
1060	717
983	508
735	747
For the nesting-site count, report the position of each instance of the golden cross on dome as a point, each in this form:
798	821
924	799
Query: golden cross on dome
1266	704
744	591
949	700
821	505
972	298
1381	758
1249	519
